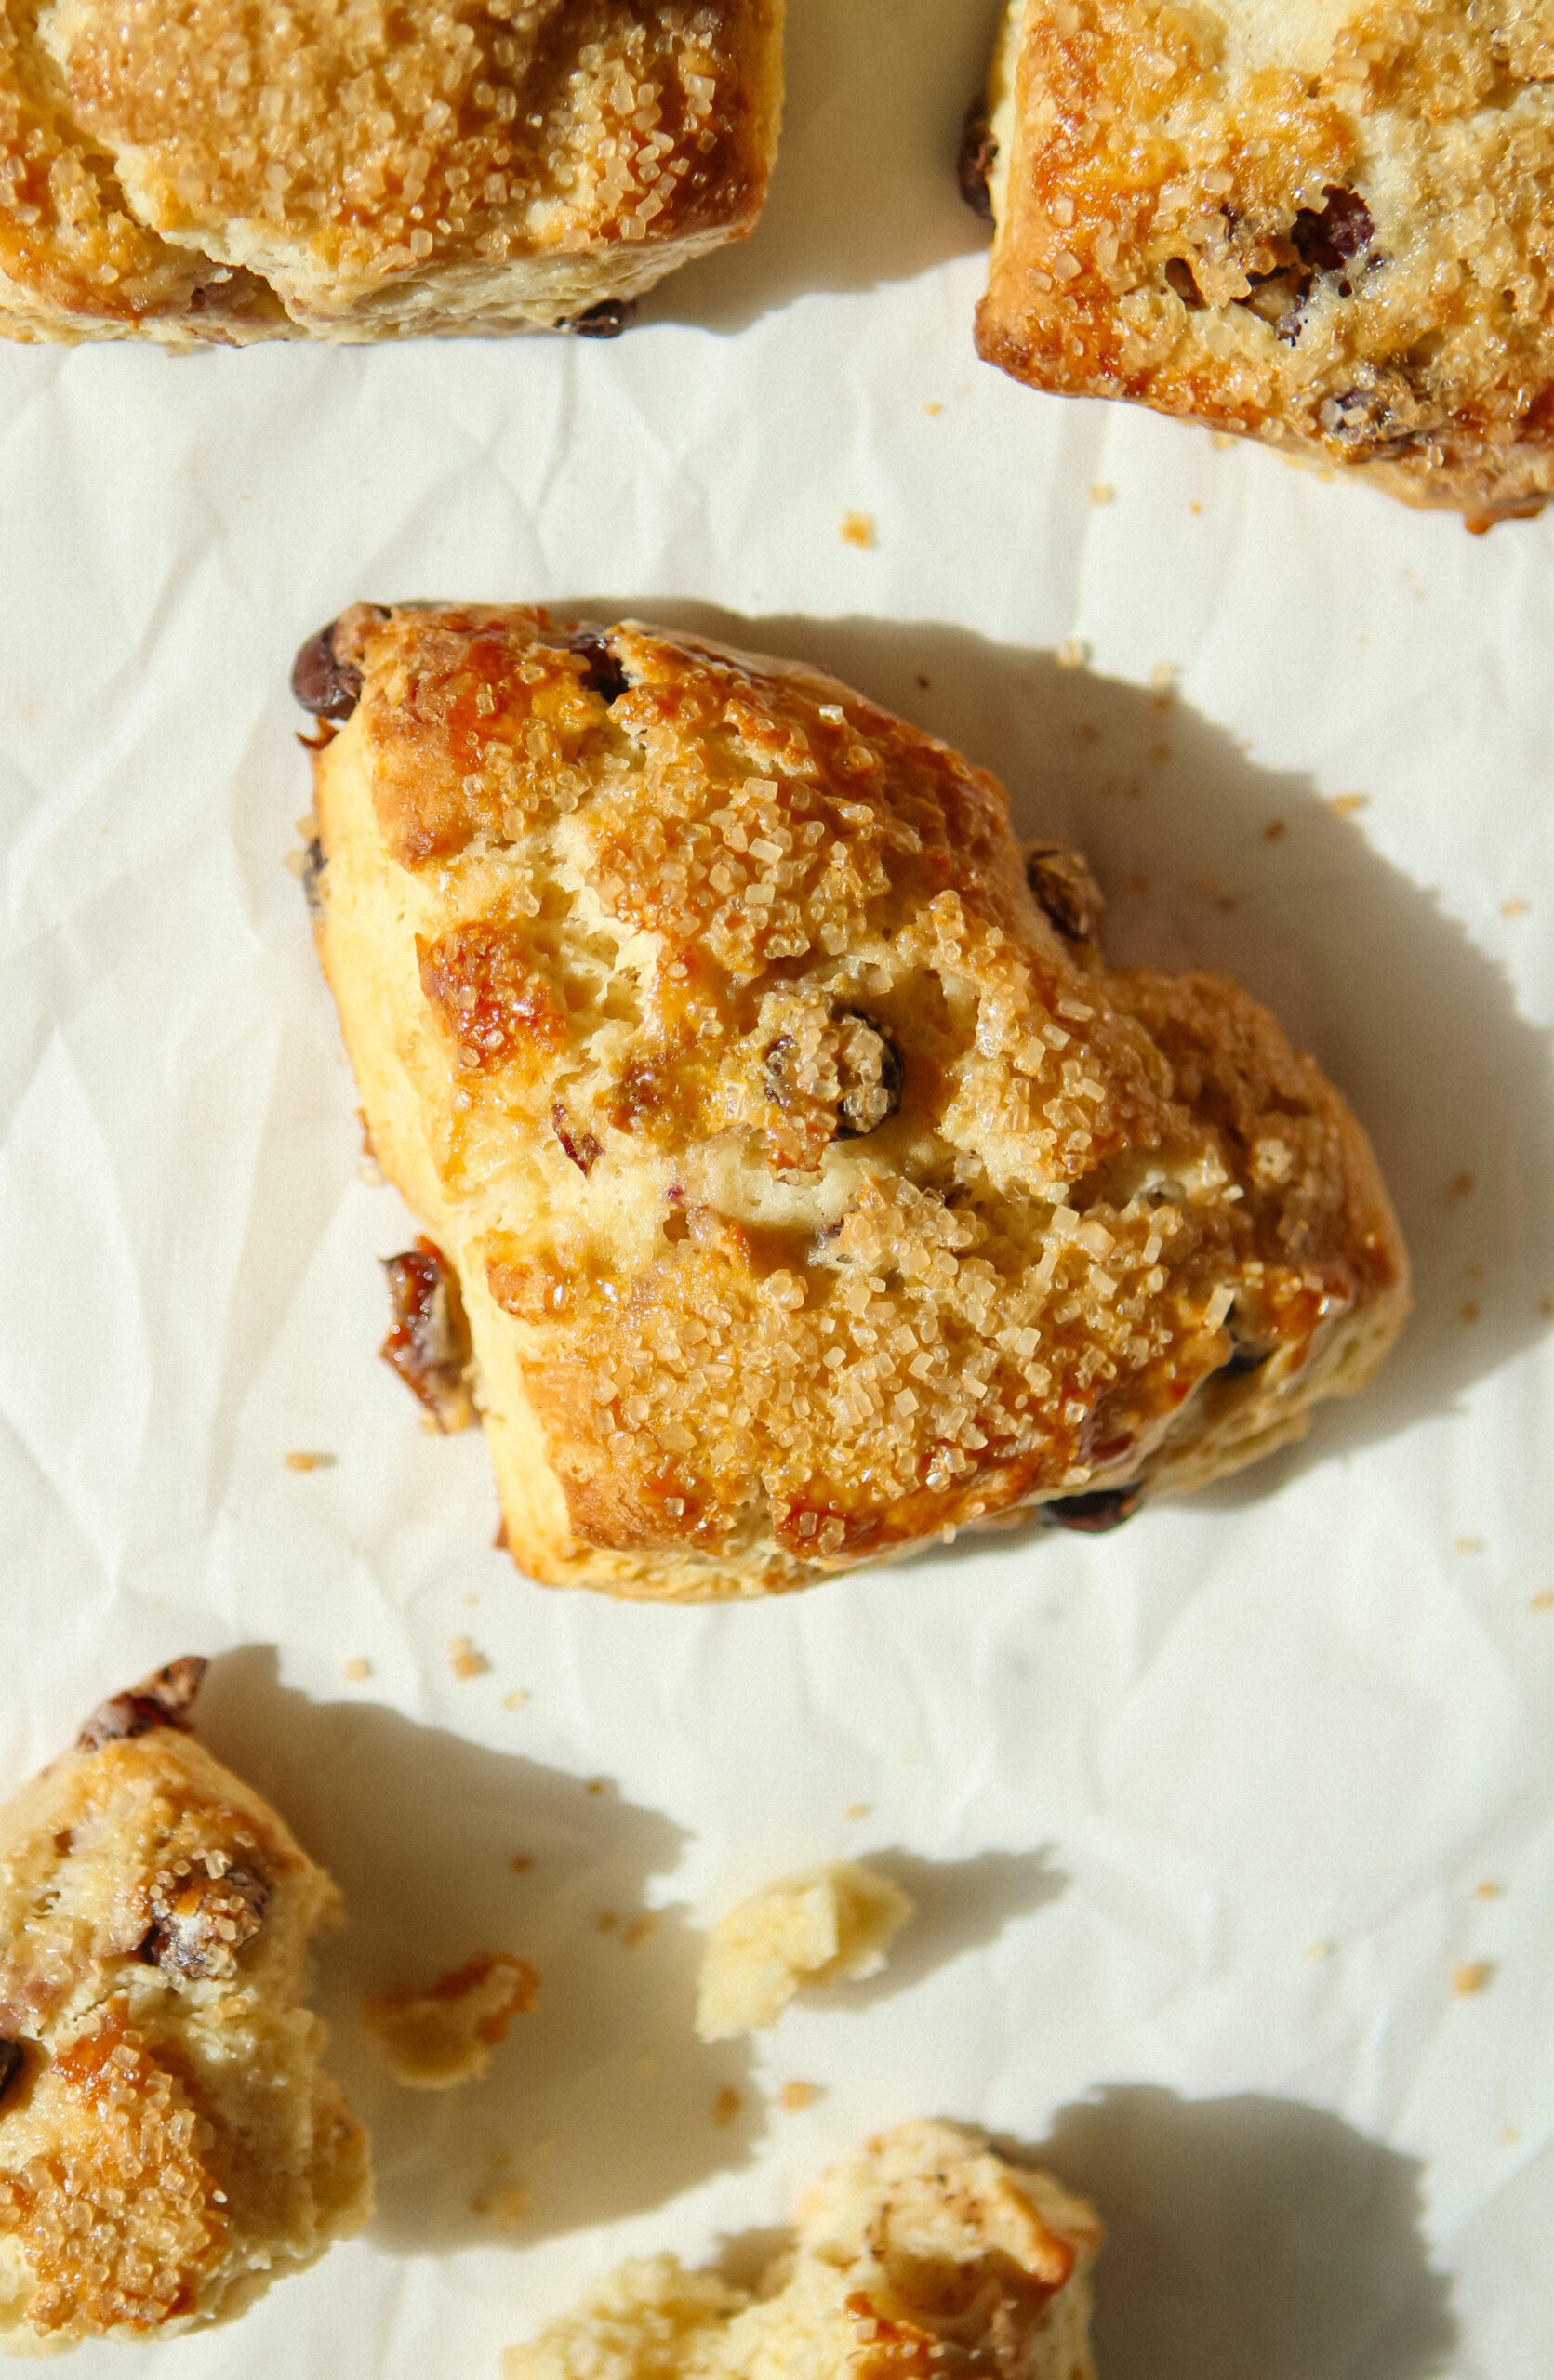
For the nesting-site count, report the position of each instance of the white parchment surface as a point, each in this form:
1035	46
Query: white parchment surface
1204	1817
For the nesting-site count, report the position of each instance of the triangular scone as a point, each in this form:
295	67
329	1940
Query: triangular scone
169	2141
928	2255
813	1184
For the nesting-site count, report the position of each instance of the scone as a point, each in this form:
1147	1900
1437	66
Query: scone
813	1186
169	2141
198	170
1327	226
928	2253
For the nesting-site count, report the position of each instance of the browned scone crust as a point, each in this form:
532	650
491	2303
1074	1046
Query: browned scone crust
809	1192
1324	224
168	2142
203	170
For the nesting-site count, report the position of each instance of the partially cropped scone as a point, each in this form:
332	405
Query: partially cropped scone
813	1186
169	2141
201	170
1328	226
928	2253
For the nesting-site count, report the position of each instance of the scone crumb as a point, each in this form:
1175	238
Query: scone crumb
1470	1309
1319	1951
933	409
1543	1601
446	2034
859	1809
634	1934
728	2105
521	1862
857	529
517	1698
833	1925
1514	908
1276	830
355	1670
1073	653
1488	1890
1347	805
1467	1545
606	1921
795	2095
307	1461
1102	492
464	1660
1474	1977
508	2203
1463	1185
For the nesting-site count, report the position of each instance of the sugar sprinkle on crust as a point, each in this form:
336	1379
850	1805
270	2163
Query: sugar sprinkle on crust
1326	226
200	171
813	1186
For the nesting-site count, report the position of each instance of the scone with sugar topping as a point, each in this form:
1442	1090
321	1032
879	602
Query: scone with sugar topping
169	2141
204	171
928	2253
812	1185
1326	225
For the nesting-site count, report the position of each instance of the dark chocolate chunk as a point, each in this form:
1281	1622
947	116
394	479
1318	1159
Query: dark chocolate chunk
311	874
1332	236
11	2060
603	674
161	1700
321	681
606	320
974	163
1092	1515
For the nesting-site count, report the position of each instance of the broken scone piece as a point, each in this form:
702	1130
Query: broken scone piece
833	1927
1325	227
928	2253
205	172
169	2143
446	2034
812	1184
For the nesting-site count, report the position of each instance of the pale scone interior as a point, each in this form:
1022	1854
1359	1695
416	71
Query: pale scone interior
169	2141
928	2252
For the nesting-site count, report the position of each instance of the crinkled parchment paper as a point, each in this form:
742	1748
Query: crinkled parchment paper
1201	1818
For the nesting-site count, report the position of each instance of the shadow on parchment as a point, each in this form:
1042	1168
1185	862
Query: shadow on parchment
602	2101
864	190
1251	2238
960	1905
1209	860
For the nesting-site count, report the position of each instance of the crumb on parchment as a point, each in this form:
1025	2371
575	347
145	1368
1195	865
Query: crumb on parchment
302	1459
857	529
464	1660
1474	1977
355	1670
445	2033
728	2105
830	1926
796	2095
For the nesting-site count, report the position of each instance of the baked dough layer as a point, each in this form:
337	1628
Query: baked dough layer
199	171
812	1188
1328	226
169	2141
928	2253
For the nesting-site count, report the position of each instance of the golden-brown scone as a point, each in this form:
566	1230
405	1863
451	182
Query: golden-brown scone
169	2141
812	1184
204	170
927	2255
1326	225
